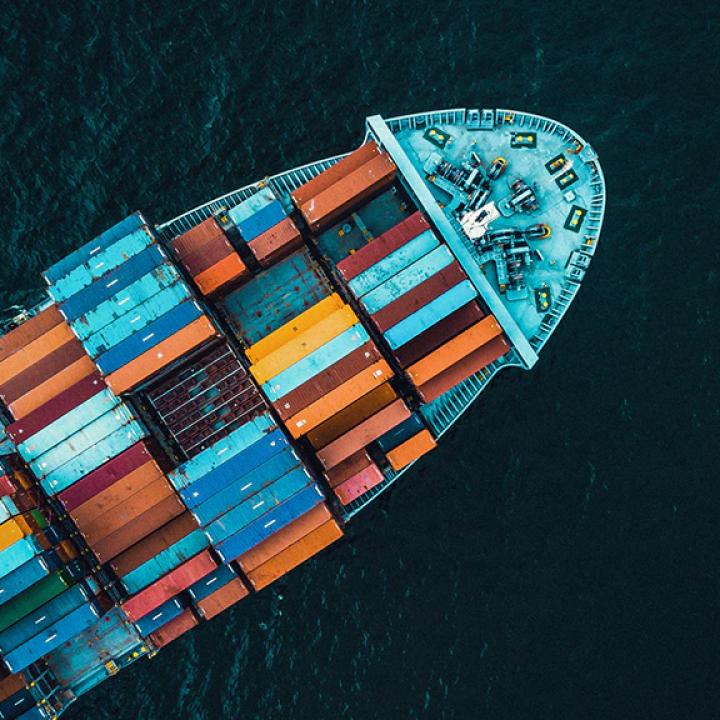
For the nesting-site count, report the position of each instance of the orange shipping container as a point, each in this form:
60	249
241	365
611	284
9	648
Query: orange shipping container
411	449
174	629
221	273
10	532
165	352
52	387
222	599
363	434
454	350
30	330
339	398
276	243
282	539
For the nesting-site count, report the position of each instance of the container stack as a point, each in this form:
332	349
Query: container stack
127	303
17	700
209	258
264	225
349	183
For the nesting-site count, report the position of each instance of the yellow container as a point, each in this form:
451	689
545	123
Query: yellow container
290	330
10	532
303	344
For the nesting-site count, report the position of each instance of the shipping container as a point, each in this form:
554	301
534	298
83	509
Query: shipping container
206	256
21	704
11	685
10	532
433	337
208	231
339	398
363	434
379	248
276	243
265	526
105	476
404	431
253	204
116	281
410	450
18	553
354	414
158	617
161	355
347	468
222	599
221	274
303	344
22	577
316	362
168	586
295	555
435	311
32	329
207	585
260	221
334	173
470	364
174	629
32	598
359	484
333	376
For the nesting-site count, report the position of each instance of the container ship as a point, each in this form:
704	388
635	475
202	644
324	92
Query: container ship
196	408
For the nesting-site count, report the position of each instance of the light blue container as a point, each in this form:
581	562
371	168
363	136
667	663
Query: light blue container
92	458
165	561
32	714
91	249
4	513
393	263
18	553
125	300
407	279
137	319
263	197
258	505
91	435
154	333
112	283
43	617
22	578
316	362
104	262
262	220
160	616
435	311
51	638
246	461
9	506
221	451
212	582
73	421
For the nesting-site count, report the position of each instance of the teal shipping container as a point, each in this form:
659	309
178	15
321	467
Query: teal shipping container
316	362
18	553
393	263
258	504
92	458
214	456
432	313
165	561
263	197
69	423
23	577
407	279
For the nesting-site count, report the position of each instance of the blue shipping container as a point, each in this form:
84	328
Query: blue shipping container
221	451
275	520
154	333
17	704
112	283
50	638
33	714
316	362
212	582
262	220
160	616
263	197
86	252
245	486
393	263
23	577
234	468
400	433
18	553
435	311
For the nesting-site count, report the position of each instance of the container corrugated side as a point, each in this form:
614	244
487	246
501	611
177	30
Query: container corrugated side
29	331
222	599
174	629
358	484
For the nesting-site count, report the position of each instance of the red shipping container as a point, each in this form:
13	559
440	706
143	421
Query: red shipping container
6	485
435	336
168	586
57	407
358	484
338	373
30	330
205	257
347	468
363	434
107	474
276	243
418	297
222	599
383	245
196	237
174	629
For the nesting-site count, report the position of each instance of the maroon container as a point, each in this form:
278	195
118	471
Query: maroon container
382	245
107	474
10	685
41	371
208	255
57	407
356	463
435	336
328	380
419	296
196	237
29	331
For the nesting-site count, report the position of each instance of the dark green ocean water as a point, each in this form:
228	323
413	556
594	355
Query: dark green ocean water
557	557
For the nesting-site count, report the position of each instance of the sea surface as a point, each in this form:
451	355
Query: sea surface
559	555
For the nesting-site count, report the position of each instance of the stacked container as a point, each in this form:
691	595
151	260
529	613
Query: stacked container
16	699
208	257
349	183
264	225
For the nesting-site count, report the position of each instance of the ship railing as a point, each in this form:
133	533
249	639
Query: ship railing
452	116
